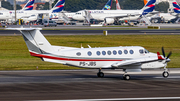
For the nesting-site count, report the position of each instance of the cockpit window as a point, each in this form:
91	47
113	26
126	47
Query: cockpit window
141	51
78	13
146	51
1	13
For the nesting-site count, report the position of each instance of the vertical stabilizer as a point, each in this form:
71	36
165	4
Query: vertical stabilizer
176	7
59	6
108	5
145	2
29	5
35	41
149	7
118	7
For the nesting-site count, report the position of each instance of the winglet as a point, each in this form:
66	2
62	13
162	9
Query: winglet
159	56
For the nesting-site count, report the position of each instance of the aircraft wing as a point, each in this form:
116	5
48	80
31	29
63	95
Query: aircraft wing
136	62
154	12
122	16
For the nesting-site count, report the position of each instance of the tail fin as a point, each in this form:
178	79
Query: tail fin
117	5
108	5
35	41
29	5
149	7
145	2
176	7
59	6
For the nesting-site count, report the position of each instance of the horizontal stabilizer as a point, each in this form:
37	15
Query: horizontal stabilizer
24	29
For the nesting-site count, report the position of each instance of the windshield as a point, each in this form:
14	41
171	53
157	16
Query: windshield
146	51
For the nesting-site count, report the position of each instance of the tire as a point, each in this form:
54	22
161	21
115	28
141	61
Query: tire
100	74
126	77
165	74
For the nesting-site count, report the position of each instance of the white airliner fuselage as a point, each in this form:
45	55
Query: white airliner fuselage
102	14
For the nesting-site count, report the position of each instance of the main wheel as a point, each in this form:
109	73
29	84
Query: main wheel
126	77
165	74
100	74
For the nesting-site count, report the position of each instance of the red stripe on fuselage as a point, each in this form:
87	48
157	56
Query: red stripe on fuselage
68	59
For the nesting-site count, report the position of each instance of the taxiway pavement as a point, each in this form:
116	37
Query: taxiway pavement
84	84
98	32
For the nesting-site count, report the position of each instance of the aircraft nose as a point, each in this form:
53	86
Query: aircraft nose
168	60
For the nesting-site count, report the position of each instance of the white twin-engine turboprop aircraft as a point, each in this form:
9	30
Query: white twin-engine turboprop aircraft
130	59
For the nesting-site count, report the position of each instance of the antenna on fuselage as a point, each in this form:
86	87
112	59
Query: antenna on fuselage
81	46
89	46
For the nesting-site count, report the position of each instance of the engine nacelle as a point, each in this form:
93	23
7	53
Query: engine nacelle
109	20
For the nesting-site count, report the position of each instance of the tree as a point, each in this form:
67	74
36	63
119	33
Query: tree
46	6
162	7
132	4
7	5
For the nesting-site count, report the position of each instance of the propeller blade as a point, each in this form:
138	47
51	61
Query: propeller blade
163	52
169	55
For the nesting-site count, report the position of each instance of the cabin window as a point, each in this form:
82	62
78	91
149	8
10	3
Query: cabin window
103	53
125	51
89	53
131	52
109	52
141	51
98	53
119	52
78	53
114	52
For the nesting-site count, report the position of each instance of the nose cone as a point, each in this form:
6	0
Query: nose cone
168	60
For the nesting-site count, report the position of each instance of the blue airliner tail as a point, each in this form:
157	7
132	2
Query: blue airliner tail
149	7
59	6
176	7
29	5
108	5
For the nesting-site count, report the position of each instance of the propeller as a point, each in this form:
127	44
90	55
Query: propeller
167	58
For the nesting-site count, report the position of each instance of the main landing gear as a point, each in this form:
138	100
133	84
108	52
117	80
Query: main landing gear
126	76
100	74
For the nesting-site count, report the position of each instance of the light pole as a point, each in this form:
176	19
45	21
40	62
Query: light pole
50	4
15	9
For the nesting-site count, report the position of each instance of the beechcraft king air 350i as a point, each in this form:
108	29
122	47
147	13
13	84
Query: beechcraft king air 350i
130	59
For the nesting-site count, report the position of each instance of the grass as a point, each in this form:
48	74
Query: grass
14	54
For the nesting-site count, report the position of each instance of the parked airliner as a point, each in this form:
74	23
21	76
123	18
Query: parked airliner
128	58
27	13
6	14
111	16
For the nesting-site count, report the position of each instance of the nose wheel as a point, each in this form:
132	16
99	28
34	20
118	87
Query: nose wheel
165	74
